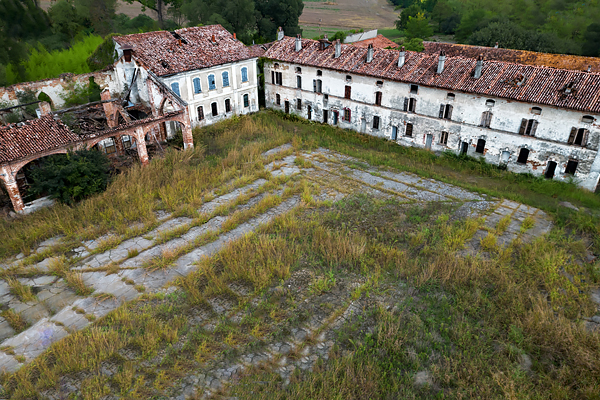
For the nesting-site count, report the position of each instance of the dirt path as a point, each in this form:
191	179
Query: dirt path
348	14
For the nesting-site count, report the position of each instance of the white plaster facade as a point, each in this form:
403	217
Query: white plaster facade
235	92
503	143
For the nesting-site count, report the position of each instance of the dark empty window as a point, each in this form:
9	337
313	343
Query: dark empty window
446	111
486	119
309	112
414	89
410	104
587	119
523	156
451	96
279	78
409	130
299	82
347	92
348	78
571	167
536	110
227	105
444	138
298	70
278	99
246	101
528	127
480	146
578	137
298	104
380	83
317	85
215	111
200	113
378	98
375	122
490	103
319	72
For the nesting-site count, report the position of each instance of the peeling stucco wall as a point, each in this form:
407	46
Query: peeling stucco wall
502	139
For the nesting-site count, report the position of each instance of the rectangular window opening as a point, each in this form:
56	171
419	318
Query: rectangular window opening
571	167
444	138
375	122
409	130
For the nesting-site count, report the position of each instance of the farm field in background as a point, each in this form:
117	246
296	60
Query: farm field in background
348	14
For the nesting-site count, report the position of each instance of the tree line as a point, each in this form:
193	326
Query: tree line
553	26
35	44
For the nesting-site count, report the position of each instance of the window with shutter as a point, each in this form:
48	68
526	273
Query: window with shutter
409	130
278	99
412	105
523	126
531	127
319	86
197	88
244	74
211	82
375	122
347	114
442	109
444	138
279	78
273	78
347	92
246	101
448	112
314	85
200	113
572	135
579	137
406	104
175	88
225	76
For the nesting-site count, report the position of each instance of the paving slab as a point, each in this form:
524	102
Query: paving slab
33	341
8	363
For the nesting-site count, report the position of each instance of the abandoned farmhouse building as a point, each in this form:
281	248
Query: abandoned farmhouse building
504	107
207	67
529	118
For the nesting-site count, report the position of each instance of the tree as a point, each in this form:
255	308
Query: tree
71	177
471	22
512	36
98	14
449	25
235	15
158	6
441	12
65	19
271	14
418	27
406	14
591	45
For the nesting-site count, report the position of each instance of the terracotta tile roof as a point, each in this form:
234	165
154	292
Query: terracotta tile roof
531	84
380	41
562	61
259	50
164	54
31	137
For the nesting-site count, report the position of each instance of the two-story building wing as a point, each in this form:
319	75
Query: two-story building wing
529	118
207	67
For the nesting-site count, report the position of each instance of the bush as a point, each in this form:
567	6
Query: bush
71	177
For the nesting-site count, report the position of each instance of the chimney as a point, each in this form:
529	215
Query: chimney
298	43
325	37
279	33
441	62
179	42
234	36
338	48
402	57
213	39
496	46
589	68
45	108
370	53
478	67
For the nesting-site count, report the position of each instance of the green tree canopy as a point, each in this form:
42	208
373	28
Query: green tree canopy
71	177
591	45
418	27
237	16
406	14
511	36
271	14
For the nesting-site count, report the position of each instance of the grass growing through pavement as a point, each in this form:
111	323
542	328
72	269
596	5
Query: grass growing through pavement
464	325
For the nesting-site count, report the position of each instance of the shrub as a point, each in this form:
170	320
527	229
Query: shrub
71	177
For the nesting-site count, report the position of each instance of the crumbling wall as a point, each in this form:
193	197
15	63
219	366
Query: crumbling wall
58	87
